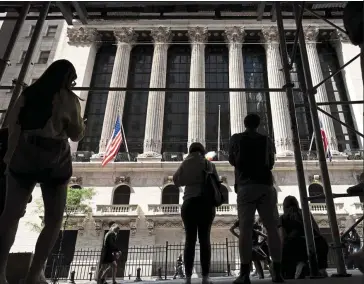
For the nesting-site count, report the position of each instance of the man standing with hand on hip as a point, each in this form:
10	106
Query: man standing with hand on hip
253	156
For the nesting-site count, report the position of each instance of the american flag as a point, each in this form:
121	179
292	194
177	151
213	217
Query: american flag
326	142
114	144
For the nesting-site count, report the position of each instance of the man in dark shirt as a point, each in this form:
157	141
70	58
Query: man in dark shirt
253	155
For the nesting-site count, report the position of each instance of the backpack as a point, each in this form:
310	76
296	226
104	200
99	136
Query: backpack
211	191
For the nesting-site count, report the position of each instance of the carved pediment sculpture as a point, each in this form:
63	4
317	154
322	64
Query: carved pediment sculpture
75	181
150	226
168	179
122	180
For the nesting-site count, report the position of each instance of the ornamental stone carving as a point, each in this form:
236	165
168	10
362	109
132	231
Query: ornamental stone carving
168	179
235	34
126	35
75	180
340	36
311	33
122	180
150	226
270	34
161	34
198	34
82	36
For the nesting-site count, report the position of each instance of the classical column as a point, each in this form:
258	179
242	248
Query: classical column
115	100
156	99
238	106
352	76
79	46
278	100
196	107
311	34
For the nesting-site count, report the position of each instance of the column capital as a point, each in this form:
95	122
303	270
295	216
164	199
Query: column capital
198	34
161	34
234	34
82	36
311	33
125	35
340	36
270	34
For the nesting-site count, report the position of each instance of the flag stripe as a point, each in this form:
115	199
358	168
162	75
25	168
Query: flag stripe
114	144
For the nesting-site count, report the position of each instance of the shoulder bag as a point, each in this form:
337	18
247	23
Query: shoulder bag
212	187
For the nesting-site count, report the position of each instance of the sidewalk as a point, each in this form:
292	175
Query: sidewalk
356	278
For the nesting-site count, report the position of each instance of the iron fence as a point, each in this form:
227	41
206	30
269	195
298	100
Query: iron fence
153	262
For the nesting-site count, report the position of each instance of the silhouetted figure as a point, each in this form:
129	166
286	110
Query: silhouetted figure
44	117
197	214
253	156
179	268
294	259
110	254
352	243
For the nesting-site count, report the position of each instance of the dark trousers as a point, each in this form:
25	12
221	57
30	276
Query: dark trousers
197	218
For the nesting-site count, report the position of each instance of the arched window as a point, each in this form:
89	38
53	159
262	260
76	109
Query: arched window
217	76
96	100
175	128
136	102
170	195
225	194
255	75
121	195
336	91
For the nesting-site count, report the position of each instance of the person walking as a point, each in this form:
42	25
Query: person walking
197	214
44	117
253	155
110	254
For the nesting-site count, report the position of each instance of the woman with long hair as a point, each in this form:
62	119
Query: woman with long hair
43	118
294	254
197	214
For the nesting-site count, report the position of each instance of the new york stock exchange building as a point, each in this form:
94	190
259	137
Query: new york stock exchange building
137	191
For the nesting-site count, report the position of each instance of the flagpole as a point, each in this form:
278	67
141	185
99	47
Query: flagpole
309	150
124	138
218	135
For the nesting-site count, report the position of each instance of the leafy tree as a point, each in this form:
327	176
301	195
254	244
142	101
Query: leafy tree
76	199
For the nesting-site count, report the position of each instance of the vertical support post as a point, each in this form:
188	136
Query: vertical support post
227	257
166	262
28	57
13	38
341	270
310	242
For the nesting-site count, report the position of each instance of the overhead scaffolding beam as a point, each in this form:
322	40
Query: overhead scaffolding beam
66	11
81	11
341	270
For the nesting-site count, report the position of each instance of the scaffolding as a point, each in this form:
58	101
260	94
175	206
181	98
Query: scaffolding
79	10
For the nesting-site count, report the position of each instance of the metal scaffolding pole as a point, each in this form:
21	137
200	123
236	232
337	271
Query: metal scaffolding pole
13	38
341	270
28	57
310	242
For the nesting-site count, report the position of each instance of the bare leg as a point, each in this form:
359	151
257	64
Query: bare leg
105	271
17	197
54	198
114	267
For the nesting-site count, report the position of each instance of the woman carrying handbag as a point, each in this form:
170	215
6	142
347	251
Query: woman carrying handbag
198	211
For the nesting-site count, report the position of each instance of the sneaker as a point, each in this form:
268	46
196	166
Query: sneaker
299	270
244	275
276	272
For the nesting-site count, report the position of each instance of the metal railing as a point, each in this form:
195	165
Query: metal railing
153	262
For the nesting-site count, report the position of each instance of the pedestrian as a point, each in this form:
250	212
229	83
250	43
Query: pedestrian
253	155
197	214
44	117
110	254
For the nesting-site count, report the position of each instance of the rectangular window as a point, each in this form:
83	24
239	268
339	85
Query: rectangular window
31	31
43	57
51	31
21	60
